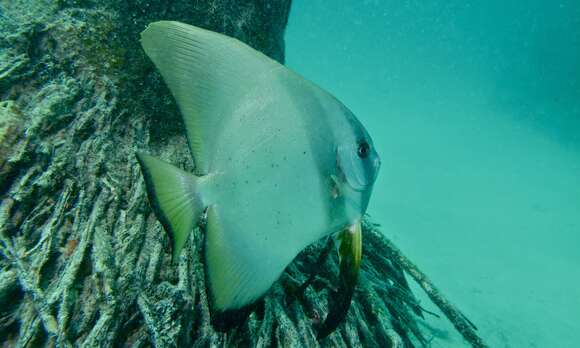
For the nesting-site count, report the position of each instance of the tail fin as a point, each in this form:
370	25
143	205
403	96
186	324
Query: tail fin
174	196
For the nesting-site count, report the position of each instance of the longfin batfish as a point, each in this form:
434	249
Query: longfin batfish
279	163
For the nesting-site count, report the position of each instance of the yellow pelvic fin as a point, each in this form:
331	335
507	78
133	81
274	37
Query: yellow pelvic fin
350	252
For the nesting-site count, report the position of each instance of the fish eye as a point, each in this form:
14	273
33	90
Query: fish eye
363	149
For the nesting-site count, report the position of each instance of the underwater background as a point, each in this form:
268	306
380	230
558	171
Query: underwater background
475	110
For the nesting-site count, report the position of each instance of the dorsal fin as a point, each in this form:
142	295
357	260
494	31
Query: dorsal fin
208	74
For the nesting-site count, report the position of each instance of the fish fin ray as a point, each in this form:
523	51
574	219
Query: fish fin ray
208	74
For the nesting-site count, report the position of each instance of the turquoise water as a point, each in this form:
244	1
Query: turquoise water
475	109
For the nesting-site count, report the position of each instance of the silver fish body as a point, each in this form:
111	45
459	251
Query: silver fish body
280	163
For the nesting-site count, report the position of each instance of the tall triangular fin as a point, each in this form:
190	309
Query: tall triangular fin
208	74
238	268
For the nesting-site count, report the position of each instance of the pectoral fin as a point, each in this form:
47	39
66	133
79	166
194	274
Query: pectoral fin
350	252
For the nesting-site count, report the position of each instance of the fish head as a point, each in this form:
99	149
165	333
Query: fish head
357	166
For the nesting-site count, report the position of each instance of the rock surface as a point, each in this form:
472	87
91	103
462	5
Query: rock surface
83	261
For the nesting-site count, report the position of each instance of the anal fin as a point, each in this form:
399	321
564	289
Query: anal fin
238	272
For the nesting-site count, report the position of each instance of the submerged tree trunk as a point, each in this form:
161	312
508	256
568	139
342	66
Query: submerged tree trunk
83	261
